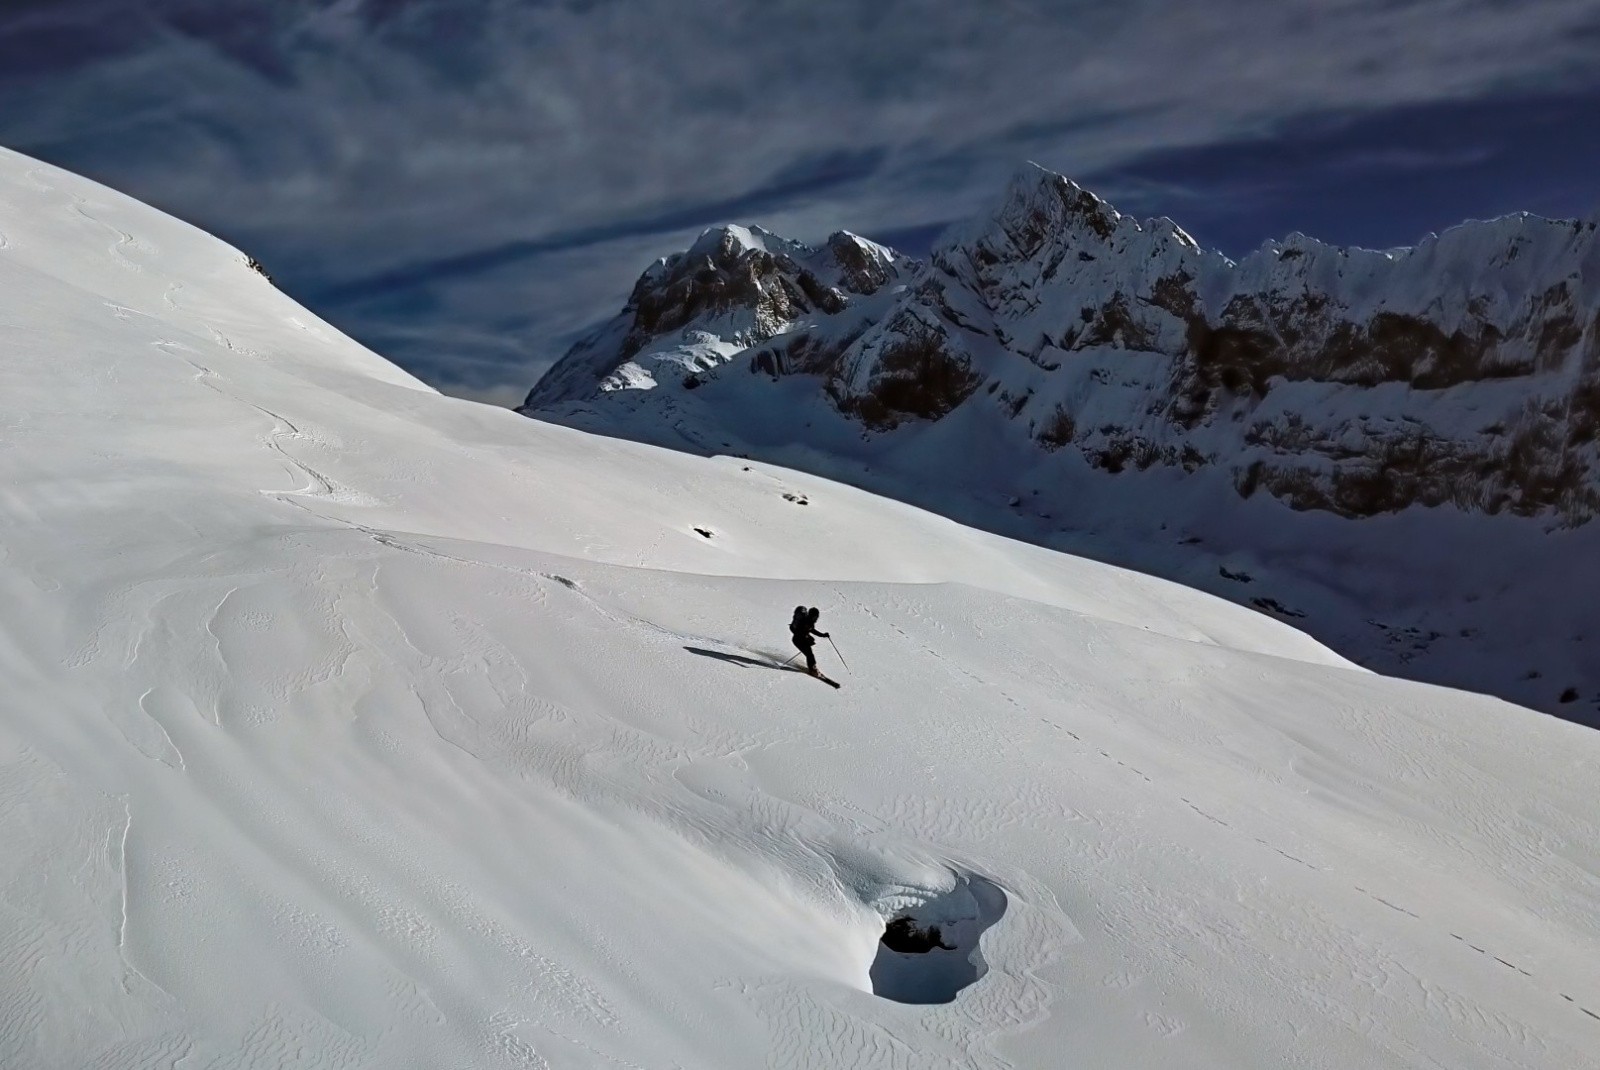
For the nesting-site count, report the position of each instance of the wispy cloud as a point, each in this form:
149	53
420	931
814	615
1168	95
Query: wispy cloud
509	167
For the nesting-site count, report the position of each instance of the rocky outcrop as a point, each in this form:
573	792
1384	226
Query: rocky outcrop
1233	361
733	290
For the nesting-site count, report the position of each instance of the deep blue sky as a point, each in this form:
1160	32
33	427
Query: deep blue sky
464	184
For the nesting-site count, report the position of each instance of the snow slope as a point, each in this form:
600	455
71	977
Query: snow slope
348	725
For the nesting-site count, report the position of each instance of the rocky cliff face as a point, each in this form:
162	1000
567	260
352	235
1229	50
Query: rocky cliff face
1055	297
735	289
1500	320
1054	342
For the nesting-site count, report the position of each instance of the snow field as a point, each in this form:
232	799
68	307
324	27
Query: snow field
347	725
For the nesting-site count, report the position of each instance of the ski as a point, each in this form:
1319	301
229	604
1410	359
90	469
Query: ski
827	680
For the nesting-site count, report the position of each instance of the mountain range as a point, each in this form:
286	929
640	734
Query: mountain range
1394	449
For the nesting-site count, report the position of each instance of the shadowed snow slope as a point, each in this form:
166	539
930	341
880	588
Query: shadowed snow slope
348	725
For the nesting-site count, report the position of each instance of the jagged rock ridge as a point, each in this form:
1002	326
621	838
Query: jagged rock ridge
734	289
1030	309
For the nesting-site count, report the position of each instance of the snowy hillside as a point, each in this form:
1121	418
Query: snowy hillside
1396	451
348	725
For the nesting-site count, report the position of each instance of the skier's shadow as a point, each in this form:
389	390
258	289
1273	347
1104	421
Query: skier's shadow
772	662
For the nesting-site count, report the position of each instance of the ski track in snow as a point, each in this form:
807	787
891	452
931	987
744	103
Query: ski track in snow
125	242
317	484
122	926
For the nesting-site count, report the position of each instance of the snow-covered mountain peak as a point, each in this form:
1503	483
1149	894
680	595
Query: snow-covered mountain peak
1035	188
1049	239
734	288
1038	209
728	241
1167	228
864	267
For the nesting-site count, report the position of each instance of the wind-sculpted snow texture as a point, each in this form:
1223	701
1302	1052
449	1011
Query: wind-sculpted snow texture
346	725
1398	449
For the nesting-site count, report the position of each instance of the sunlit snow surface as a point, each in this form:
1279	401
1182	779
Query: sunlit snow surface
347	725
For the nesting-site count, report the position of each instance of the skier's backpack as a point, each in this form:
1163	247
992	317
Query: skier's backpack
800	623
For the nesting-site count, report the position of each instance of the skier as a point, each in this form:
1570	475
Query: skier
802	626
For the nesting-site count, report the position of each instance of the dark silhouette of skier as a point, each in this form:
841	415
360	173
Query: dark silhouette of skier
802	626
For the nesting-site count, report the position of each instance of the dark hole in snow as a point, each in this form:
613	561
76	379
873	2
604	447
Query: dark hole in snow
929	950
903	935
704	531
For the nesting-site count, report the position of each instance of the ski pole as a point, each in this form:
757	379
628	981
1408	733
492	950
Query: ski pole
835	646
791	658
